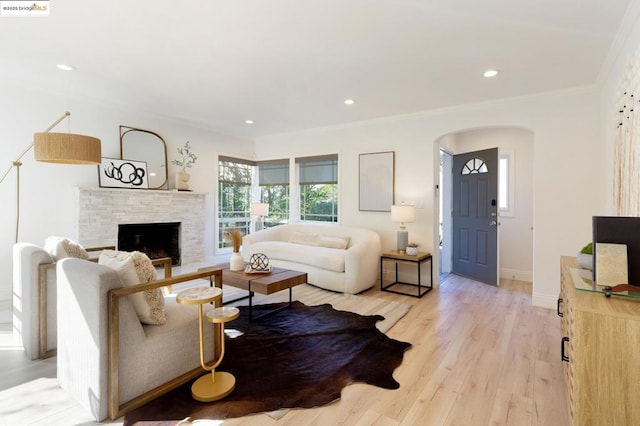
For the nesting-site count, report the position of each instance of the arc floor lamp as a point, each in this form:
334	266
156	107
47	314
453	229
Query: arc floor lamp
63	148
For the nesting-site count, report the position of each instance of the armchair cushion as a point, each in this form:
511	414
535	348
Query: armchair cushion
60	248
136	268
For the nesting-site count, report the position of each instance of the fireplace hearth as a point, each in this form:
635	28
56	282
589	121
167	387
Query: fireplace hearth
156	240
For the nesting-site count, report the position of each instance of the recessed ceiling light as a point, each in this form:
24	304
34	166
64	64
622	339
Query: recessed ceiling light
490	73
349	102
248	121
65	67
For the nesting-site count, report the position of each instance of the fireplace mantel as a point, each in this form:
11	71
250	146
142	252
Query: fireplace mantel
101	210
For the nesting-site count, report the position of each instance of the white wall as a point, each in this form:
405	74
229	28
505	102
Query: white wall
567	169
47	203
516	236
625	47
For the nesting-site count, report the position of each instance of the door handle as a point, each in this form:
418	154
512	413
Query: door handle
563	355
494	223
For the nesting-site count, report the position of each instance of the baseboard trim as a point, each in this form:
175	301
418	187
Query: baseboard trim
544	301
514	274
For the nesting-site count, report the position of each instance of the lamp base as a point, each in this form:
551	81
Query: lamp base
403	240
213	386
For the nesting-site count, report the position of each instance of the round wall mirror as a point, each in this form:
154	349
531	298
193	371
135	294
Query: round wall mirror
144	145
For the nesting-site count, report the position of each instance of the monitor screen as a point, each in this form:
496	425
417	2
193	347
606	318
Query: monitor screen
619	230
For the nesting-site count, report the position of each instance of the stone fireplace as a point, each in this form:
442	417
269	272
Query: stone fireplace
102	211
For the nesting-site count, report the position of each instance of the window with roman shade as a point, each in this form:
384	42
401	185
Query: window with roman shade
235	178
318	182
273	182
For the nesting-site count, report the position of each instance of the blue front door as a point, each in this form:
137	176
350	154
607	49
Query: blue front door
475	215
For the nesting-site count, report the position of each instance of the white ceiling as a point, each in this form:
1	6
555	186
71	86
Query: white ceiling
289	64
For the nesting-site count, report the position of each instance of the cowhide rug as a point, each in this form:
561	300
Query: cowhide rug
300	357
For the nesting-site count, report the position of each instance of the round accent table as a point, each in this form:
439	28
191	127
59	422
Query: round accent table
213	385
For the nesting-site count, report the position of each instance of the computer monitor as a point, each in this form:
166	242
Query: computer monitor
619	230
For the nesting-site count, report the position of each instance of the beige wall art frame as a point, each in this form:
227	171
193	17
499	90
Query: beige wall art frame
376	172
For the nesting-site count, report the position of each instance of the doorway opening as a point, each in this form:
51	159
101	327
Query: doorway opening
444	225
515	208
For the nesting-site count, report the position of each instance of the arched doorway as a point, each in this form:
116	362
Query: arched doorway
515	146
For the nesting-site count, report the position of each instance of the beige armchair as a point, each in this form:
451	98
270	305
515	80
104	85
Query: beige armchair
34	297
108	360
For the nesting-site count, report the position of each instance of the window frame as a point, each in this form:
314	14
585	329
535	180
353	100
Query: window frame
334	181
219	212
509	176
284	182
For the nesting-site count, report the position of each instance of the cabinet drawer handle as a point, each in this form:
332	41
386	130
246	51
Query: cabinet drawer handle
565	358
560	314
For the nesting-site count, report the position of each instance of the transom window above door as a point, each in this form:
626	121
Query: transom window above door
473	166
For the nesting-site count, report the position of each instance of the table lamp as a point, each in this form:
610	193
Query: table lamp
403	214
260	210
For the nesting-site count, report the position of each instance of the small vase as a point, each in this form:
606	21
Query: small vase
182	181
585	261
412	251
236	263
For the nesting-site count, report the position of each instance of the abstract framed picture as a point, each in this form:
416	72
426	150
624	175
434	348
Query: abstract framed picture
376	171
117	173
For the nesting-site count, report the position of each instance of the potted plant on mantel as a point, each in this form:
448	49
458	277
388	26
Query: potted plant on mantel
188	160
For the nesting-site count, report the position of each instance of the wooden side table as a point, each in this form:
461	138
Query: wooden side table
418	260
215	384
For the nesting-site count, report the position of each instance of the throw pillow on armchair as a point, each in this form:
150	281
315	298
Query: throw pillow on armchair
136	268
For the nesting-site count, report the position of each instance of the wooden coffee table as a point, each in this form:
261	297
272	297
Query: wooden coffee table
264	283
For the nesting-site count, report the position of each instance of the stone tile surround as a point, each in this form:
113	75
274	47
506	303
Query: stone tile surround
101	210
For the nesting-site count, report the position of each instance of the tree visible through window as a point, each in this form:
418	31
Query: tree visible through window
235	177
273	181
318	180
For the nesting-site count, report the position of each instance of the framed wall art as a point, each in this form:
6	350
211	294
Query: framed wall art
116	173
376	181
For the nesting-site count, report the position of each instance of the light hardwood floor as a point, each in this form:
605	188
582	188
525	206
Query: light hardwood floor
480	355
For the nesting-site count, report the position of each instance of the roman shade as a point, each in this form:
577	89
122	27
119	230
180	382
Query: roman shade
318	170
273	172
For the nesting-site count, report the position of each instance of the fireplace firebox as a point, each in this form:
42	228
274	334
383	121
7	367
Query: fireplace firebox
153	239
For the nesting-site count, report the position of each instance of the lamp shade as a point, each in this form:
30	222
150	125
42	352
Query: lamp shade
66	148
259	209
403	213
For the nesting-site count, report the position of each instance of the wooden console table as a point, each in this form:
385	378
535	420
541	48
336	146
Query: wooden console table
600	352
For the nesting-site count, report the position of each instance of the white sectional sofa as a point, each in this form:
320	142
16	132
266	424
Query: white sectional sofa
338	258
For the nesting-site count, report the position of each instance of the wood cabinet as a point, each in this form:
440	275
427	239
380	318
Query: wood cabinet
600	348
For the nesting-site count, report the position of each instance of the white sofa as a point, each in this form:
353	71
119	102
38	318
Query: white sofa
109	361
307	248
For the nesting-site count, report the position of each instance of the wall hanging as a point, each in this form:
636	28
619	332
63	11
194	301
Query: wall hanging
376	181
